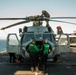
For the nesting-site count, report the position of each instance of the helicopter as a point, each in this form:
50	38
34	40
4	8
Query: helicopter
37	31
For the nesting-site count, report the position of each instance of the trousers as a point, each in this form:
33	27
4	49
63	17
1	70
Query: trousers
33	59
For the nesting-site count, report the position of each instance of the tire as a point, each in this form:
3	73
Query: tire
21	59
55	58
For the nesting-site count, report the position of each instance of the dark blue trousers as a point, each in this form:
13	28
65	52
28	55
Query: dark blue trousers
33	59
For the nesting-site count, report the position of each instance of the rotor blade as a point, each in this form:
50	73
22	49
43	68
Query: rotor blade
30	16
14	25
62	18
12	18
63	22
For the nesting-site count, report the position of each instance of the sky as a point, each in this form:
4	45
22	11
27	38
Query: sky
24	8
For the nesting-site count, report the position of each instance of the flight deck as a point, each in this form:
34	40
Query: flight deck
66	67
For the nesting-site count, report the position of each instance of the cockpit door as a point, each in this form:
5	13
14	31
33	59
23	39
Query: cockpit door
12	43
64	43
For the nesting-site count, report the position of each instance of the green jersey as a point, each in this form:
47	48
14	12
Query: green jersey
46	48
33	48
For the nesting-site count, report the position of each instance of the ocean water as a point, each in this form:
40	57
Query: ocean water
2	44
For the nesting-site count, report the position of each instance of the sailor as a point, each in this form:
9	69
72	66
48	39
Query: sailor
46	50
33	51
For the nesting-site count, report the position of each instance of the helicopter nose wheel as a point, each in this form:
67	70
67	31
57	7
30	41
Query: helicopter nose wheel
56	60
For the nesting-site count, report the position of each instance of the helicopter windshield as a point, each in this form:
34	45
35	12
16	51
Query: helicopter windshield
27	37
49	37
38	37
46	36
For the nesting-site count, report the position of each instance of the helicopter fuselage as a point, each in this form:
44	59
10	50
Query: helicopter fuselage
37	33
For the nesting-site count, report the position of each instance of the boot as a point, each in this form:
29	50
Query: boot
37	68
32	69
44	69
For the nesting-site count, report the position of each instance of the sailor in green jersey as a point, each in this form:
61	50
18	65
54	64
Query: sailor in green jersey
33	51
46	48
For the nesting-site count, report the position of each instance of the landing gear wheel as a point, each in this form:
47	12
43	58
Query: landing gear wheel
55	58
21	59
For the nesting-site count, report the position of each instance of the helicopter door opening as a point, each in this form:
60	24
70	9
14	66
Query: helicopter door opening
12	44
64	43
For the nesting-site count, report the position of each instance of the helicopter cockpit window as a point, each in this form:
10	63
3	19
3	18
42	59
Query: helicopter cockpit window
46	36
38	37
49	37
27	37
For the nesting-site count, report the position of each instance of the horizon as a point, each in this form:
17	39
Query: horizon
24	8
